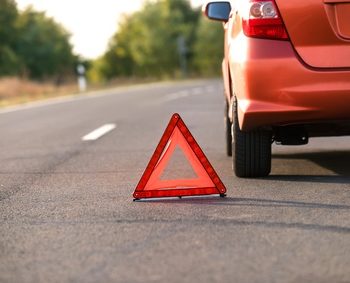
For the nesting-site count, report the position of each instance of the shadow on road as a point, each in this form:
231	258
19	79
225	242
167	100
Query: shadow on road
330	179
336	161
254	202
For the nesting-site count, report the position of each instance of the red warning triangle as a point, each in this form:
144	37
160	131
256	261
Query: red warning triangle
176	136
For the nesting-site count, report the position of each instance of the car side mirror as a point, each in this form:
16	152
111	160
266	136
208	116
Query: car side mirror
218	11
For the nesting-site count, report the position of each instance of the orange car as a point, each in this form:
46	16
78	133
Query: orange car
286	74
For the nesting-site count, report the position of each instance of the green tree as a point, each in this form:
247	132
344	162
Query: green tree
8	35
43	46
209	47
118	60
146	43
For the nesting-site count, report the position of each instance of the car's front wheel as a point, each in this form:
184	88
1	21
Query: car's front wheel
251	151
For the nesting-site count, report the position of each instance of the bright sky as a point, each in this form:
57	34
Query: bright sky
91	22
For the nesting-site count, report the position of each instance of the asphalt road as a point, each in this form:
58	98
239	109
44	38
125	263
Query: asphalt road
66	210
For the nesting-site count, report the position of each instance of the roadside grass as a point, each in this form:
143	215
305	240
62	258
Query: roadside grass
15	91
19	91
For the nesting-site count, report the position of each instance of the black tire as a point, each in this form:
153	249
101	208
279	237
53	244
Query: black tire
228	134
251	151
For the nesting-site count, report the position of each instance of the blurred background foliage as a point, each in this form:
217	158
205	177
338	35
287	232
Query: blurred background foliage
165	39
158	40
33	45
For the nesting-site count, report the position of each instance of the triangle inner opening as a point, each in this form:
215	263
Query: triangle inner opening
178	167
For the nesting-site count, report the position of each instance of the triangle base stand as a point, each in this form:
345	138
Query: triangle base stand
180	197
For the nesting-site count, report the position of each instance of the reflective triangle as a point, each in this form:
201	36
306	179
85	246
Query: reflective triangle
175	136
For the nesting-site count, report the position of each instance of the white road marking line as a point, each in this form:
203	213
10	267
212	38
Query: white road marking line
96	134
197	91
182	94
176	95
189	92
210	89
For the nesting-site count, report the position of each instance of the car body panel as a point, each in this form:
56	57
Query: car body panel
274	88
225	63
319	30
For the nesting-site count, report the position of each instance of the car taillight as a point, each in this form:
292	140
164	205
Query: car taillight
261	19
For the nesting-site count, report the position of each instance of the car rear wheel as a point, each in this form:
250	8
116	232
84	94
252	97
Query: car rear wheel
251	151
228	135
